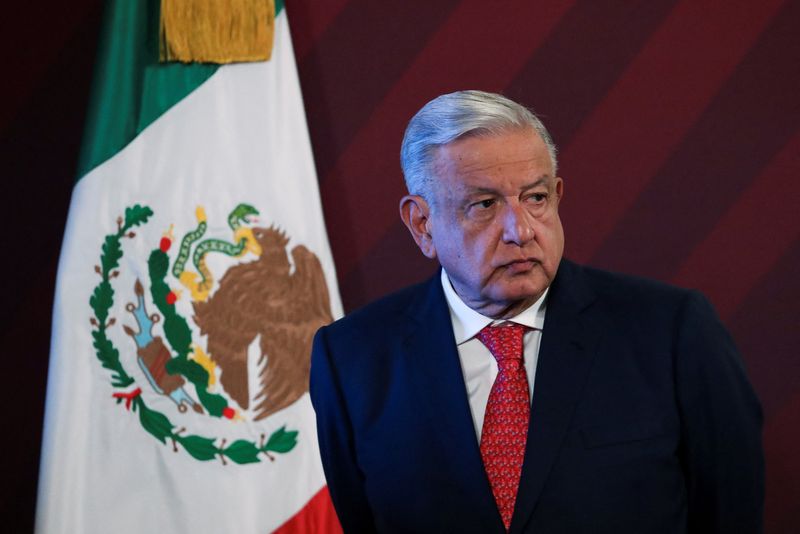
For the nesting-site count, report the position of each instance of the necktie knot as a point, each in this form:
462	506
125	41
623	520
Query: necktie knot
504	342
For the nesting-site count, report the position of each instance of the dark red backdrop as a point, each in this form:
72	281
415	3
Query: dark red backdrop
679	129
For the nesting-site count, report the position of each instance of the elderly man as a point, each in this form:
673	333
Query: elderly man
517	391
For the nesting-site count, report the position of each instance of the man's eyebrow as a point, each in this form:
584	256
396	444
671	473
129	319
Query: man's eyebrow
541	181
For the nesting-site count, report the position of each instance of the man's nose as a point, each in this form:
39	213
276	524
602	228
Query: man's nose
517	224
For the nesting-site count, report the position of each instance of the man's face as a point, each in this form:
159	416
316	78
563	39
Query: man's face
494	223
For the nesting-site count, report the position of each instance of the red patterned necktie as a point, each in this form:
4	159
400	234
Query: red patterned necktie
505	424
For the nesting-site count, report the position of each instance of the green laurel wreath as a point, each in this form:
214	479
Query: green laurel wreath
179	337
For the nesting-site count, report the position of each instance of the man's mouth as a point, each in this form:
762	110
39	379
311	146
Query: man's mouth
521	266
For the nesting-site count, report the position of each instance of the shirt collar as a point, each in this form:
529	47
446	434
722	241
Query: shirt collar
467	322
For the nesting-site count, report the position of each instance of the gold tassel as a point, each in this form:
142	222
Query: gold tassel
216	31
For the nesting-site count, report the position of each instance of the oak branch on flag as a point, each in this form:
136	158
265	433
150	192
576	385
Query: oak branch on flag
194	272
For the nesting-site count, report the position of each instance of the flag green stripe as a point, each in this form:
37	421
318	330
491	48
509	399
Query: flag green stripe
131	89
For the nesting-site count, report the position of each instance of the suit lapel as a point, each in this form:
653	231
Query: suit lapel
568	344
432	354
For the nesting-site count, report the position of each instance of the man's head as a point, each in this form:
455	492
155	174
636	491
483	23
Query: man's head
480	170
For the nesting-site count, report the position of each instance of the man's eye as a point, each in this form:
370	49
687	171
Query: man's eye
538	197
484	204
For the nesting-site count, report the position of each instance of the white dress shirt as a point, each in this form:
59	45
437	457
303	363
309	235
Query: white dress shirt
477	363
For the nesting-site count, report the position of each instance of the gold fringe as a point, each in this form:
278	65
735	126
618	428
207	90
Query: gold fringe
216	31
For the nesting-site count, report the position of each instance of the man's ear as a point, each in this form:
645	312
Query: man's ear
415	212
559	189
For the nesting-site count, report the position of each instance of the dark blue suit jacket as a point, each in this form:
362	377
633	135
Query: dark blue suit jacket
642	418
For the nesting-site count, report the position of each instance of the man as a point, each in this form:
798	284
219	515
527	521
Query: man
517	391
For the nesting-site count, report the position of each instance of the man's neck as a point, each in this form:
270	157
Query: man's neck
468	321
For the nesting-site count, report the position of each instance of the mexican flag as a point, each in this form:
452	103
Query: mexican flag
194	271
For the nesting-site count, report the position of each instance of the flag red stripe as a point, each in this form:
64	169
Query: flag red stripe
633	150
316	517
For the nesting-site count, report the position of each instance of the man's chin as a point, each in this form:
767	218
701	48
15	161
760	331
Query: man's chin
528	293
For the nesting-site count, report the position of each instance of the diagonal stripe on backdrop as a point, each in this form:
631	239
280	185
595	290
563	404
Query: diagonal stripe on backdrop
310	25
384	29
781	436
736	254
582	58
633	151
348	184
765	329
736	136
547	46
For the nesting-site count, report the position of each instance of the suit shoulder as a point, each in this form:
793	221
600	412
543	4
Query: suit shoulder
379	315
650	312
629	288
634	298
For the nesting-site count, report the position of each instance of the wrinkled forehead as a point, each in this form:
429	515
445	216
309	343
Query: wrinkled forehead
506	164
522	148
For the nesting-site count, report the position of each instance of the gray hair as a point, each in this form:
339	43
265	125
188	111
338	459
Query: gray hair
454	116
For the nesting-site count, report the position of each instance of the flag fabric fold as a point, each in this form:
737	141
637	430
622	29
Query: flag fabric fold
194	270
